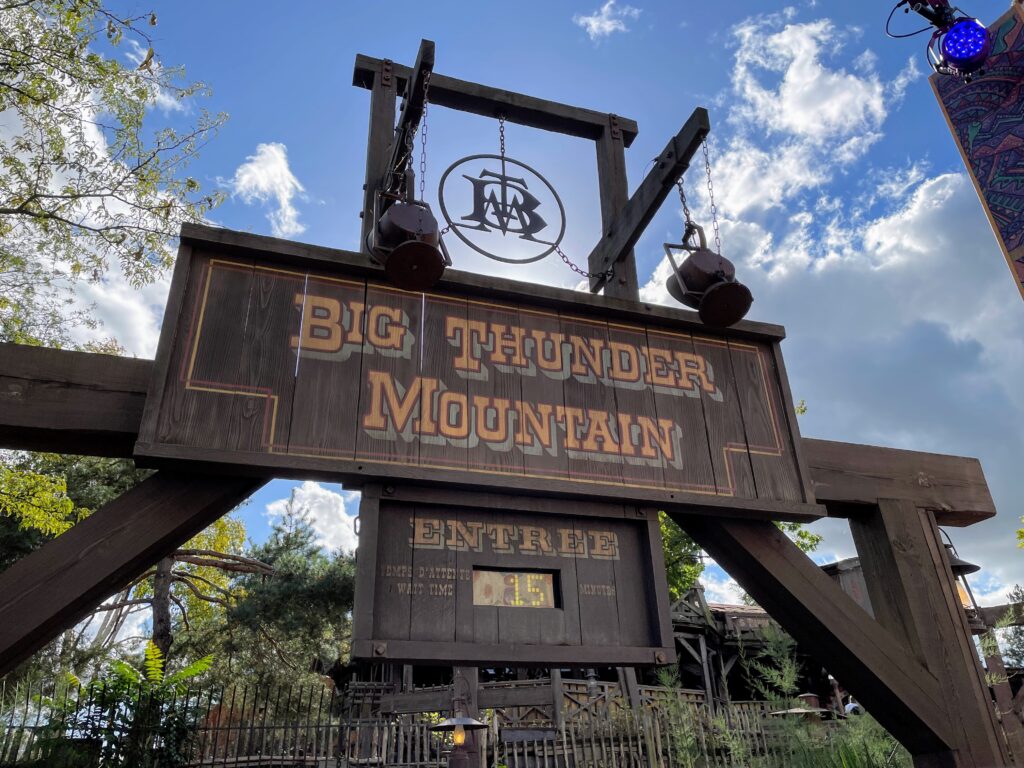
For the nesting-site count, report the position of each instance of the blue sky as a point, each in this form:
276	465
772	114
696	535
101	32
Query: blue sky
844	202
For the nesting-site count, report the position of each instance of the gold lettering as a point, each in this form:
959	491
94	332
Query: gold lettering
604	545
426	533
384	329
383	390
571	543
536	541
321	324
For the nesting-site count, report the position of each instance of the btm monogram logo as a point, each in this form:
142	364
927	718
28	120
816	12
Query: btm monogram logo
510	207
505	220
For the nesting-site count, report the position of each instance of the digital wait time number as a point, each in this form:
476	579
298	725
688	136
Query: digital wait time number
514	589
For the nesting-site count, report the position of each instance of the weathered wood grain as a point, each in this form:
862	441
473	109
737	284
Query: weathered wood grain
846	473
72	402
491	102
912	593
51	589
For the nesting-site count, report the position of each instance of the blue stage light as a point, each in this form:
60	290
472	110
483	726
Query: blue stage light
966	45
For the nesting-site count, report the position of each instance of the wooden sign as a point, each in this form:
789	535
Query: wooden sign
302	363
986	117
474	584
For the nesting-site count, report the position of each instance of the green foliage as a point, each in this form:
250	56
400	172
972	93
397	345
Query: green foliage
774	672
683	565
1013	636
92	170
283	626
134	719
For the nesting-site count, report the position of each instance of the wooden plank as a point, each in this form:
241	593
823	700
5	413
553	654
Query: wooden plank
54	587
906	570
1008	718
953	487
445	411
770	448
490	102
789	416
432	612
486	655
323	415
73	402
685	406
730	453
884	676
631	217
302	255
614	191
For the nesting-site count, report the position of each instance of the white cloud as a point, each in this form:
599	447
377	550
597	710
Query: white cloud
130	315
719	587
328	510
161	98
609	18
266	177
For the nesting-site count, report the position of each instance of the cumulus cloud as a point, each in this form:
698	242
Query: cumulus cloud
607	19
265	177
329	512
719	587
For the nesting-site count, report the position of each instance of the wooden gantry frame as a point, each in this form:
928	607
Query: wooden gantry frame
914	666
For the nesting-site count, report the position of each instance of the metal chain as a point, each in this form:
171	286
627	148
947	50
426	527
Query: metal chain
501	134
606	274
711	198
682	199
423	137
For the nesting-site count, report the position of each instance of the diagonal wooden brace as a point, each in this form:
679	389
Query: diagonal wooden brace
883	674
620	237
50	590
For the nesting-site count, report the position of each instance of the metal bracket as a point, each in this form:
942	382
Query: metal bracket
613	123
386	73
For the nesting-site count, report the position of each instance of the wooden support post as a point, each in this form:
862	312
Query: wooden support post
614	188
46	592
624	218
913	595
629	686
383	93
997	678
880	671
557	699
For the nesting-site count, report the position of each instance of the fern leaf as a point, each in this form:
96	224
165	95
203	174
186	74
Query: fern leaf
154	663
194	669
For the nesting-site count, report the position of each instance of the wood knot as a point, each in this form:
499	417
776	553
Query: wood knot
924	480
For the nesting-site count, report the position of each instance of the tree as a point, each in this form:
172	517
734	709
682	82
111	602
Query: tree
297	621
1013	636
85	178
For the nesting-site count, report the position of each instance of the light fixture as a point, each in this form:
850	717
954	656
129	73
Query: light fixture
458	726
960	569
960	45
706	281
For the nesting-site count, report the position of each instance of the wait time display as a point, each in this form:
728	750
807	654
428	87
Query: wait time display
514	589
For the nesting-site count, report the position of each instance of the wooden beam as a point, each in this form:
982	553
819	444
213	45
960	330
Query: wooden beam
866	658
379	136
490	102
71	402
912	593
412	112
614	189
622	232
51	589
953	487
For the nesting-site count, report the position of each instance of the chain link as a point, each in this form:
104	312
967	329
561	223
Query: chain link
606	274
501	134
682	199
711	199
423	137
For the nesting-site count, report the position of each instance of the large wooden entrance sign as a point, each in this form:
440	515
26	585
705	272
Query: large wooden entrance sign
458	580
312	369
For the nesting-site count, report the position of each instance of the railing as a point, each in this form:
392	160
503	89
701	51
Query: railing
73	726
